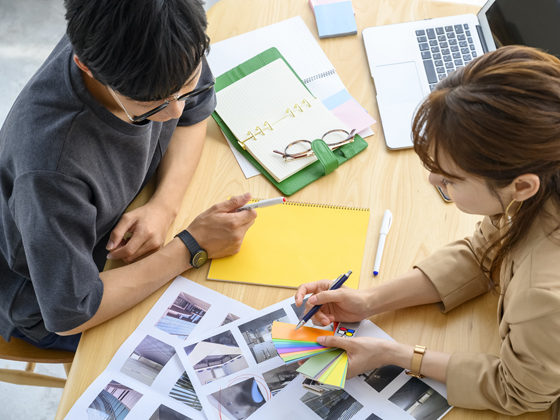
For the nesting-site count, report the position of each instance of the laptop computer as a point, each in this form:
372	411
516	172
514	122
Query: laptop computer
408	59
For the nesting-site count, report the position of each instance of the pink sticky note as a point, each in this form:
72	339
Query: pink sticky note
353	115
313	3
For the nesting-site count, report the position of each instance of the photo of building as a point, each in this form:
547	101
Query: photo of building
278	378
166	413
299	310
332	405
373	417
420	400
238	401
229	319
216	357
147	360
114	402
258	335
379	378
183	391
182	316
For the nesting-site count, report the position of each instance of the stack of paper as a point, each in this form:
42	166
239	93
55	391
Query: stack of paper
334	17
326	365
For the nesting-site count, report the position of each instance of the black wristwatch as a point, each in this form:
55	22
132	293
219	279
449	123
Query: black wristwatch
199	256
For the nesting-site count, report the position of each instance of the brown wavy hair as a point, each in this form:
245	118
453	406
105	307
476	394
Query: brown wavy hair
498	118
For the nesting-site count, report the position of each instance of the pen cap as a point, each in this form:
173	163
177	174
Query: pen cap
386	223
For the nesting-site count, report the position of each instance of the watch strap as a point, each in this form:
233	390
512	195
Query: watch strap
191	244
416	363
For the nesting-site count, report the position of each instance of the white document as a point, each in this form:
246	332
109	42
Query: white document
237	374
386	393
267	116
145	379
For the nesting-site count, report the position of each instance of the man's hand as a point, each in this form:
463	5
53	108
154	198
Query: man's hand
343	305
219	231
148	225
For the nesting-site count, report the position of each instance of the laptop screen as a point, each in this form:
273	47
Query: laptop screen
534	23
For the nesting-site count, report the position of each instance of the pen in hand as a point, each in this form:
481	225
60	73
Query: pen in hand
336	284
262	203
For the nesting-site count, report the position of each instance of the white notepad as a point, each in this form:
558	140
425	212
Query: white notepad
269	109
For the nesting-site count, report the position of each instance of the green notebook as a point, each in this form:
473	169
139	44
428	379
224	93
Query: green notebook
327	161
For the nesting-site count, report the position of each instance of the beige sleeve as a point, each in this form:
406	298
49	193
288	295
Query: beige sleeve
455	270
526	375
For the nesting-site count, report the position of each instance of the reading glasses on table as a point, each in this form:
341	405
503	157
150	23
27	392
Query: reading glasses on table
302	148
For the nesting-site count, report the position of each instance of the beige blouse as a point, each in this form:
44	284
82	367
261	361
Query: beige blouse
526	375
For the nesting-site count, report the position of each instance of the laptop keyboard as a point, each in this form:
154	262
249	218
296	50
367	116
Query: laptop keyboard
445	49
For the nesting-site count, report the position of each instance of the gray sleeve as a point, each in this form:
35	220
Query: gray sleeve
200	107
56	218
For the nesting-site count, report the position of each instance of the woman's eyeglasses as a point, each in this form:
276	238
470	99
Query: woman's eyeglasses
302	148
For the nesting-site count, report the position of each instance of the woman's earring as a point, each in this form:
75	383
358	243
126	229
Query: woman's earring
507	209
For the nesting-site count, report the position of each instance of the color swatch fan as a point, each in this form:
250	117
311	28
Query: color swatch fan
327	365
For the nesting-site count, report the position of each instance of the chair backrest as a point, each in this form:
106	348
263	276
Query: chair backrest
21	351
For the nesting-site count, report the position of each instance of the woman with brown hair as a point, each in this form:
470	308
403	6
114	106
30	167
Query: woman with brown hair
490	136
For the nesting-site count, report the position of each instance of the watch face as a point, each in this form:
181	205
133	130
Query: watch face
200	258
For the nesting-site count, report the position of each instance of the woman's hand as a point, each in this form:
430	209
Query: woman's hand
148	226
343	305
364	353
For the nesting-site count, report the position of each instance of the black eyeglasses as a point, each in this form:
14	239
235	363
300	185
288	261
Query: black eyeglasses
164	105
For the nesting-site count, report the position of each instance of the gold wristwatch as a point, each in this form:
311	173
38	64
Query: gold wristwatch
416	363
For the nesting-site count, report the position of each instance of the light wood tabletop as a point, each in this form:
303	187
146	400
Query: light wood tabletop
378	179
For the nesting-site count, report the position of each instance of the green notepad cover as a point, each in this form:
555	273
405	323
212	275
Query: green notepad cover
308	174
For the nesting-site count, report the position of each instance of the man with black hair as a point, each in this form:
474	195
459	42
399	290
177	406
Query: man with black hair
125	92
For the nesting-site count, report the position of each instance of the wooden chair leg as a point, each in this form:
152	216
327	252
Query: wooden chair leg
28	378
67	367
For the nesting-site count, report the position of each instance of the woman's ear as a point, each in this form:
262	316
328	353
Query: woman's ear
82	66
525	186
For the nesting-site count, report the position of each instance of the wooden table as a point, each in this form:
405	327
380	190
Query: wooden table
378	178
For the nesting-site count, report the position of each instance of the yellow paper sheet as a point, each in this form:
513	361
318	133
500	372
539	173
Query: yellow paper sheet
295	243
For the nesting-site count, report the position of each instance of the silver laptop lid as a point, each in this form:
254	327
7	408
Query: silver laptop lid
533	23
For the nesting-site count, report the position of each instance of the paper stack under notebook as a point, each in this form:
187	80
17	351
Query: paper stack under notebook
325	365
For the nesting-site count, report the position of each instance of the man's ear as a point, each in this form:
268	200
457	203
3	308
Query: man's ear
525	186
82	66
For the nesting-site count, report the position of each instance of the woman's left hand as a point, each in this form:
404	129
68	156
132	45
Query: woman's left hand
148	225
364	353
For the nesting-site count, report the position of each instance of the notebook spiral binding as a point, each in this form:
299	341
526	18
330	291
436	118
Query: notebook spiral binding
323	206
319	76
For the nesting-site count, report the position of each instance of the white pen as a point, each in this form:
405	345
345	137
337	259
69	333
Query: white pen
263	203
385	226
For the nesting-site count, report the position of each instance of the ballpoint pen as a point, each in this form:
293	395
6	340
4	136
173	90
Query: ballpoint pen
336	284
263	203
385	226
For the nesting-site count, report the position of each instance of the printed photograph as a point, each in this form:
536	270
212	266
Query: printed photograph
184	392
379	378
332	405
420	400
278	378
238	401
229	319
216	357
301	310
114	402
166	413
373	417
147	360
258	335
181	318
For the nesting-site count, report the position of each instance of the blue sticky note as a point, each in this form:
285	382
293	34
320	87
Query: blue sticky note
337	99
335	19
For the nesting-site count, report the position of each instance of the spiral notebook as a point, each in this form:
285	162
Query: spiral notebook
295	243
269	109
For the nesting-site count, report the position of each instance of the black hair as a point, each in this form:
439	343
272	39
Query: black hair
145	50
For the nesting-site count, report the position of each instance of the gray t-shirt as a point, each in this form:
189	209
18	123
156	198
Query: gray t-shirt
68	170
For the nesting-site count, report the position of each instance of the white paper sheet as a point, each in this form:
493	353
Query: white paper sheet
146	368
